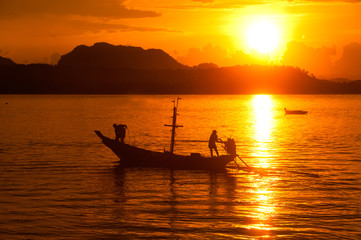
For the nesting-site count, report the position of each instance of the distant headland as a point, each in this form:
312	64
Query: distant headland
107	69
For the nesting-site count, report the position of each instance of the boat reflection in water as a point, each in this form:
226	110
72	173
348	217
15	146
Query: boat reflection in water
184	203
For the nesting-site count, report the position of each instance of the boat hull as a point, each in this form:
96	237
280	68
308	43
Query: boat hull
295	112
287	112
131	156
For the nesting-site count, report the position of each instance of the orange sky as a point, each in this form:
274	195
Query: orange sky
323	37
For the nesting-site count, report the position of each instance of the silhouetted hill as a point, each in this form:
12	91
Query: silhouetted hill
107	69
340	80
206	66
6	62
104	55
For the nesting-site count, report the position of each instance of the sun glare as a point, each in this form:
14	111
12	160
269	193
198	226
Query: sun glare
263	36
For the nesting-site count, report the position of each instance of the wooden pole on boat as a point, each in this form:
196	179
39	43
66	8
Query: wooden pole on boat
242	161
174	124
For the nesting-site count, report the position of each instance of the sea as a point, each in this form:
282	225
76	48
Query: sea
58	181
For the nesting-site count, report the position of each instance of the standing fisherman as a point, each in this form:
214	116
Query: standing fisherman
212	142
119	132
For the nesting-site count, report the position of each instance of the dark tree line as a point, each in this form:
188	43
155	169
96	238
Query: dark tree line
247	79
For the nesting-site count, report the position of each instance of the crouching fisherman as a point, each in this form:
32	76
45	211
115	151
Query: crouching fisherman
119	132
230	147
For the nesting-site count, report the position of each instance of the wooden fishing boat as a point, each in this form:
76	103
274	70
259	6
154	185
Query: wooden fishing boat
131	156
295	111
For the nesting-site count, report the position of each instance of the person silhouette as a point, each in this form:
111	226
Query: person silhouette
212	142
119	132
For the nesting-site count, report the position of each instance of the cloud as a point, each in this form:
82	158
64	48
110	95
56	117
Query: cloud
349	64
58	27
322	61
209	4
29	19
315	60
203	1
210	53
94	27
114	9
348	1
220	56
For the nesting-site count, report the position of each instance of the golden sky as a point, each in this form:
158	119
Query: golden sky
323	37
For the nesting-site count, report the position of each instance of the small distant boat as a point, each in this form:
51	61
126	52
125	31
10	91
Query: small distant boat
295	111
131	156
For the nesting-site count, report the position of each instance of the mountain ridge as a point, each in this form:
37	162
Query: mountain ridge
110	56
107	69
6	62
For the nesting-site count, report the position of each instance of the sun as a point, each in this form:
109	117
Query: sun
263	36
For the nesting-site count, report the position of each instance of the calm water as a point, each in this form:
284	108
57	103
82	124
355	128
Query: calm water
58	181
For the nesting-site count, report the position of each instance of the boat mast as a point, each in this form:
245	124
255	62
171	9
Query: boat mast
174	124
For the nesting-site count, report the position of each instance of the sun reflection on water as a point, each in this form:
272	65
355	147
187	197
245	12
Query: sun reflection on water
262	106
263	125
263	207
